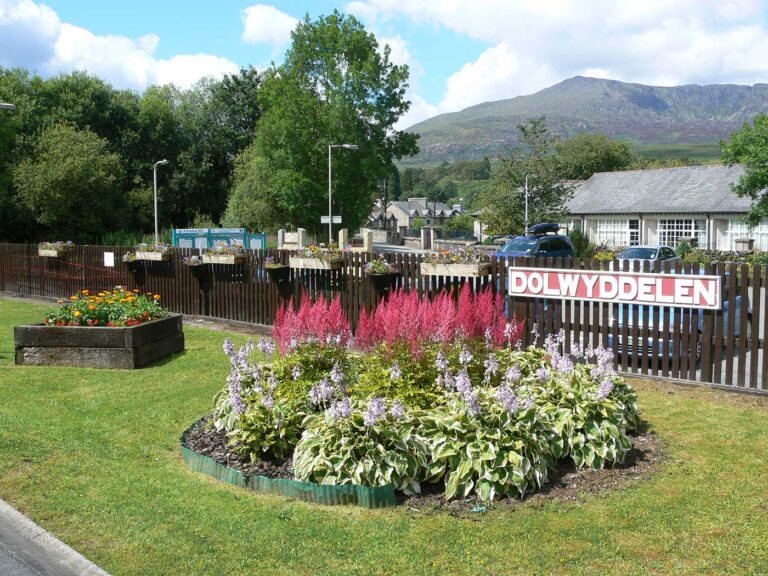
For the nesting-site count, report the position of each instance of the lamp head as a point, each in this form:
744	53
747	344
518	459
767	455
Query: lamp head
350	146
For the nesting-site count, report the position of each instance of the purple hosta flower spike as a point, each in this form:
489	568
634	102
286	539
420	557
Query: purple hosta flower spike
440	361
512	375
296	372
463	383
465	356
488	338
229	349
268	402
321	392
272	382
491	367
606	386
543	374
535	331
266	347
394	372
249	347
507	398
473	404
235	399
397	410
376	411
340	409
337	375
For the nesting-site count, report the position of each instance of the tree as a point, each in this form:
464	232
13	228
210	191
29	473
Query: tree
334	87
583	155
749	147
71	183
503	203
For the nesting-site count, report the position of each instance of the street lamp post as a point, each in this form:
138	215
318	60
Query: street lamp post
154	169
526	201
330	190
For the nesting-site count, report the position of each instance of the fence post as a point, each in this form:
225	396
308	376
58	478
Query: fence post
301	238
343	237
426	238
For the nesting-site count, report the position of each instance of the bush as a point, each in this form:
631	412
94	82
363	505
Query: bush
452	403
582	247
683	248
374	446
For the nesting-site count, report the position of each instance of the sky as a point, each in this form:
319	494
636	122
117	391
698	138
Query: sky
460	52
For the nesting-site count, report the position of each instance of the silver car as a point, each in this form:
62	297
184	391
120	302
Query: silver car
653	254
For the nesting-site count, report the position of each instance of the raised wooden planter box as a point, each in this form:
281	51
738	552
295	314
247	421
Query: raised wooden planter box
99	346
153	256
51	253
223	258
316	263
482	269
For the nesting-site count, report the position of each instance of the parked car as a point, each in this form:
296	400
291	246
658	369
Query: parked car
675	315
655	255
542	241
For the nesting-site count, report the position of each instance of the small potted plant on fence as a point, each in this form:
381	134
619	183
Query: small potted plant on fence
318	257
53	249
277	272
159	252
223	253
382	274
457	262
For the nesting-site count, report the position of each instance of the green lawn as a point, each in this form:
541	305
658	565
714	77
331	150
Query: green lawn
92	455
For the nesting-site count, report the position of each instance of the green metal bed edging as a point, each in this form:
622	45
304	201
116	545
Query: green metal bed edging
355	494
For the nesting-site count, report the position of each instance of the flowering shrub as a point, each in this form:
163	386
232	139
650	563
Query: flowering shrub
193	261
403	317
269	262
314	322
117	307
380	266
363	443
443	393
58	245
468	255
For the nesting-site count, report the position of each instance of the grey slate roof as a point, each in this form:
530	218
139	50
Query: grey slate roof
415	207
686	190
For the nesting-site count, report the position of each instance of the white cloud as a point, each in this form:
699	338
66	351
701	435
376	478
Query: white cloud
265	24
32	36
27	33
186	69
532	45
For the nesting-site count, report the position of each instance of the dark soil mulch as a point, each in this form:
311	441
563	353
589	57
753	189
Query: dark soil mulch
206	440
566	484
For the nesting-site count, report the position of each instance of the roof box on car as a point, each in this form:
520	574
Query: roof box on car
545	228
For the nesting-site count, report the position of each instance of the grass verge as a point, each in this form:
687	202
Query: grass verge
92	455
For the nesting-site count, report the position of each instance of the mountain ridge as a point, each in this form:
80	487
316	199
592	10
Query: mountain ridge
690	114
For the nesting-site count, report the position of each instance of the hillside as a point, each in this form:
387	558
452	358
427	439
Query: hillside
690	119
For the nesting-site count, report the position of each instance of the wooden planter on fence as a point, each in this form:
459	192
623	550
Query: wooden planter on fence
51	252
278	274
99	346
229	259
153	256
482	269
316	263
383	283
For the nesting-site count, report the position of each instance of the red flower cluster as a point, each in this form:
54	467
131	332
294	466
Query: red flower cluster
313	322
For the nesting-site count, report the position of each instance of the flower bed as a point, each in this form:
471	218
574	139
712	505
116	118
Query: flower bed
468	261
113	329
442	395
53	249
317	257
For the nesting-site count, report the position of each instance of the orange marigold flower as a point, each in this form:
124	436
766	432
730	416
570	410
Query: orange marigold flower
136	290
73	298
102	294
92	307
85	292
156	296
77	313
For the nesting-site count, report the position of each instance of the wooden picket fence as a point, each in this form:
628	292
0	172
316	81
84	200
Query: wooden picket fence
244	293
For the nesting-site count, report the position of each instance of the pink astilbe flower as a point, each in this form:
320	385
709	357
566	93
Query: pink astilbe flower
466	321
368	333
313	322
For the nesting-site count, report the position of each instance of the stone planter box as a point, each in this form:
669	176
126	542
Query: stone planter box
51	253
230	259
482	269
153	256
316	263
99	346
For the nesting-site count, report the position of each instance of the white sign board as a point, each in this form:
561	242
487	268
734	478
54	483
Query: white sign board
109	259
324	219
685	291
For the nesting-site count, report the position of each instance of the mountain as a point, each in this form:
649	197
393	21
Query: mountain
674	118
